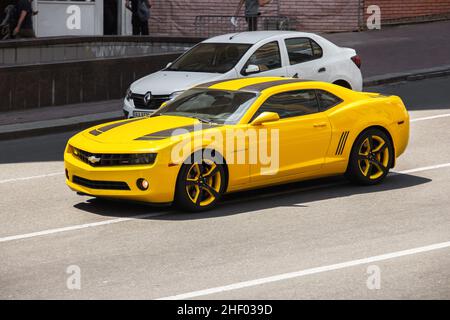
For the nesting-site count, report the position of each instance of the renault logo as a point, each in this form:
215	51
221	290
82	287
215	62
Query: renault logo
94	159
147	97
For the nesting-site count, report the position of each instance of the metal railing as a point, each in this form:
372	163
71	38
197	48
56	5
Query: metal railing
212	25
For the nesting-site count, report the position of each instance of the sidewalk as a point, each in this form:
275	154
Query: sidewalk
17	124
395	53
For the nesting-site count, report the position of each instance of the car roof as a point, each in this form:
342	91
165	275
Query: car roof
252	37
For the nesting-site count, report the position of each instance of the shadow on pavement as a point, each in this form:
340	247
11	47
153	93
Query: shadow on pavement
293	195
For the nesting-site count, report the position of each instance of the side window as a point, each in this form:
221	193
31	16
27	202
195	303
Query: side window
266	58
327	100
290	104
317	50
302	50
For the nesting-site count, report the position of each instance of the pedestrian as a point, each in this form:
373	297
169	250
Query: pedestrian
251	12
24	13
140	14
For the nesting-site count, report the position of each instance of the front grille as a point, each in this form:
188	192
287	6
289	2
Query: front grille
154	103
113	159
106	185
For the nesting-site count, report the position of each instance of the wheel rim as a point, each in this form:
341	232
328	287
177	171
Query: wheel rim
203	182
373	157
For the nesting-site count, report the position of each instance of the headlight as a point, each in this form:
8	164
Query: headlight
141	158
128	94
175	94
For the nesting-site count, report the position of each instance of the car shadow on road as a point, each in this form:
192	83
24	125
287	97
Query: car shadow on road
288	196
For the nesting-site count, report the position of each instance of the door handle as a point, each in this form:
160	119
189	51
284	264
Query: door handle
323	69
320	125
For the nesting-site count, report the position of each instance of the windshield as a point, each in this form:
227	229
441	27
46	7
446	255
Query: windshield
209	105
210	57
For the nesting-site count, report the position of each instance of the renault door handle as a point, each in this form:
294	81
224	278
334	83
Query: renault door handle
323	69
319	125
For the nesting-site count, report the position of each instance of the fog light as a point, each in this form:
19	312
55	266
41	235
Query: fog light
142	184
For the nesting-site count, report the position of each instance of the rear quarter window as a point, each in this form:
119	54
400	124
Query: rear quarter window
327	100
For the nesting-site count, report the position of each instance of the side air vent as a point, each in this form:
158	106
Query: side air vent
342	141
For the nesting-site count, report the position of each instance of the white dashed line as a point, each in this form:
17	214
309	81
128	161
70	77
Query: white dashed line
438	166
79	226
306	272
430	117
32	177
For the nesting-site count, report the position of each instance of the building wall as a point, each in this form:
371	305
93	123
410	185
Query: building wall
177	17
406	10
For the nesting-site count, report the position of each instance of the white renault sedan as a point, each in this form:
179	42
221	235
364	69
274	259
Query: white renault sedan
246	54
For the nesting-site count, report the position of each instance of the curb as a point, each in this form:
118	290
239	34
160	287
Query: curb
414	75
22	130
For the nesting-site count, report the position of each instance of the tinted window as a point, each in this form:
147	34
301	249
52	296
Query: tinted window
290	104
210	57
218	106
266	58
327	100
302	50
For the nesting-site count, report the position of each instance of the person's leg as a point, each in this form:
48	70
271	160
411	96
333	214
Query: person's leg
144	28
254	23
136	25
26	33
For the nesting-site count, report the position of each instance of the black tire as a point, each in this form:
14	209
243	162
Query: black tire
204	175
371	157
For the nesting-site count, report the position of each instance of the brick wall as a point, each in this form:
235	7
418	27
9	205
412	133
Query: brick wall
177	17
398	10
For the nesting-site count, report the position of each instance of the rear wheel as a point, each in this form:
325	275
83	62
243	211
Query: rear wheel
371	157
200	184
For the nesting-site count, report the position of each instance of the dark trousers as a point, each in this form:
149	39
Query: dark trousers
26	33
252	23
139	27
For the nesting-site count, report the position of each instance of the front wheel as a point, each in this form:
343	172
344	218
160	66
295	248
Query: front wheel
200	184
371	158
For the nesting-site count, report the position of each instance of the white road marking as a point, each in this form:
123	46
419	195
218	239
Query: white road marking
112	221
430	117
438	166
306	272
79	226
32	177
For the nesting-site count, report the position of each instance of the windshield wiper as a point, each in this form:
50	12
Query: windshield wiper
204	120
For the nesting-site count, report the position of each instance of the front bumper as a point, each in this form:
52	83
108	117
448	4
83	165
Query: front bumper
161	178
129	109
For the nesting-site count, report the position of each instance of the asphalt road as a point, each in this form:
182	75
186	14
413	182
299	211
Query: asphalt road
302	241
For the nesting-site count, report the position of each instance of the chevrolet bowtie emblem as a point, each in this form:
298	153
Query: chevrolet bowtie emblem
93	159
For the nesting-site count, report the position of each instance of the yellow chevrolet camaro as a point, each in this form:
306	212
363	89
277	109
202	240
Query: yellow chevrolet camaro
235	135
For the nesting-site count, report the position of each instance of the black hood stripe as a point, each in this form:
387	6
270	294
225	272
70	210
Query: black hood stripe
164	134
108	127
269	84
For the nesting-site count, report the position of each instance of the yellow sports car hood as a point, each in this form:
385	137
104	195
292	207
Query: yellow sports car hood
142	129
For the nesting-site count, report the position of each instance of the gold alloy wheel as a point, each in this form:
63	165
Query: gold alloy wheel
203	182
373	157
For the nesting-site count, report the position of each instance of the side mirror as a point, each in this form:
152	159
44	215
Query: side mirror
265	117
169	64
252	68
